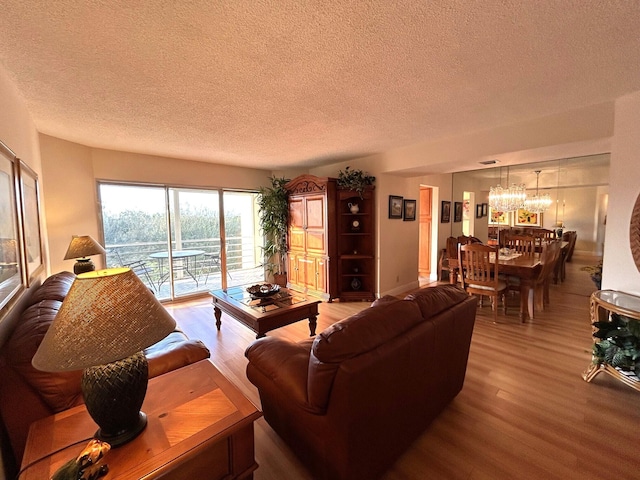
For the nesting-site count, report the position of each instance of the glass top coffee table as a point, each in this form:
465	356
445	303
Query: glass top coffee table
266	313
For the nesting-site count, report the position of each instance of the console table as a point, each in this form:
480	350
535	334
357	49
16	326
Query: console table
199	426
603	304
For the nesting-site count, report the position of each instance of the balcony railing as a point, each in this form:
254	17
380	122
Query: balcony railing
204	272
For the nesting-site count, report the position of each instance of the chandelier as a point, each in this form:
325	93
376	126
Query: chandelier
507	199
538	203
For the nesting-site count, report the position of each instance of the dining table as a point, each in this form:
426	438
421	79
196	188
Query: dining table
526	267
189	265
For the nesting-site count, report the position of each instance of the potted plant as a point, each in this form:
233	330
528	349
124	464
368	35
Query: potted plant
355	180
619	343
273	209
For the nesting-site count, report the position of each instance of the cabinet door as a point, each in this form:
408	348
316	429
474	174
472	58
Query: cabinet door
293	269
296	222
321	274
315	223
306	272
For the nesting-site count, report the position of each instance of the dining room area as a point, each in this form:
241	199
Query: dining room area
519	226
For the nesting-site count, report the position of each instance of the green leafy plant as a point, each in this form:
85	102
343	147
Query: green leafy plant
356	180
273	207
619	344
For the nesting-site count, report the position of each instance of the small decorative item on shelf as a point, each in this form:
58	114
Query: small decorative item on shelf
356	180
356	284
353	208
356	269
355	225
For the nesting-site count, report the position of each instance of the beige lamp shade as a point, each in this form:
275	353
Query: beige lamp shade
82	246
107	315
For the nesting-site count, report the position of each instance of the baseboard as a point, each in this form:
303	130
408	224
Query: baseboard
402	289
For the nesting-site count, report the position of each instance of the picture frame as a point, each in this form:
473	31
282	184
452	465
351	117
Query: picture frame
395	206
409	210
30	211
445	211
485	209
11	267
499	218
526	218
457	211
479	210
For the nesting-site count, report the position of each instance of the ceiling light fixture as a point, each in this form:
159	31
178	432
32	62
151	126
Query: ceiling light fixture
507	199
538	203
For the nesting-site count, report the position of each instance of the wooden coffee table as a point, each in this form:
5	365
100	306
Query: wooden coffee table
264	314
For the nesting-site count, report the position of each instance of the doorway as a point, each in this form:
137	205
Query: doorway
425	216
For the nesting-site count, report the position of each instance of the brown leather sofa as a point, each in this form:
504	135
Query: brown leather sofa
351	401
27	394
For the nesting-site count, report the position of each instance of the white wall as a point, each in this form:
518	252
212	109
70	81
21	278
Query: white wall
620	272
71	172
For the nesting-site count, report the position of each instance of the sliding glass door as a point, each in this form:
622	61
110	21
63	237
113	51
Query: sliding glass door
182	241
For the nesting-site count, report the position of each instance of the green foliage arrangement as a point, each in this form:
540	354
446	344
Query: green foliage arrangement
273	208
619	344
356	180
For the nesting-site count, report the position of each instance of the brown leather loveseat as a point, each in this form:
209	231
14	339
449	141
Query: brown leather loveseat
27	394
350	401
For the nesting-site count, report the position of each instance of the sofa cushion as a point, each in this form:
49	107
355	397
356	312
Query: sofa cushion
433	300
55	287
60	390
353	336
365	330
385	299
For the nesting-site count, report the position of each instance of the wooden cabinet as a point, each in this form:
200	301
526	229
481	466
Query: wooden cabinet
312	236
356	245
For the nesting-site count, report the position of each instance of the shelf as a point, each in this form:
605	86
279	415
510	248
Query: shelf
355	257
355	233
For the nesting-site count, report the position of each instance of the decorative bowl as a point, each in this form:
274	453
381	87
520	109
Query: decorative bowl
263	290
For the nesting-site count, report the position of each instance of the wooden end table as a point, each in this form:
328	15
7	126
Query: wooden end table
199	426
264	314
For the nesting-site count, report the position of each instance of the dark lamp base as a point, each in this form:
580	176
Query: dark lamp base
83	265
113	394
115	440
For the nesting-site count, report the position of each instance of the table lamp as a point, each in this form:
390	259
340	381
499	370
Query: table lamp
105	321
81	247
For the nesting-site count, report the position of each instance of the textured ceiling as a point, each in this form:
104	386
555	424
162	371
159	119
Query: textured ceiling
282	83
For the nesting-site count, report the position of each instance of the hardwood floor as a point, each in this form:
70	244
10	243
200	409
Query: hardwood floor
524	411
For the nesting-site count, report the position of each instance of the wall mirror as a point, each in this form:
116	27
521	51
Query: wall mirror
578	187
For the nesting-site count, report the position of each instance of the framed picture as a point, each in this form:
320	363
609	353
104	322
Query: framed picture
498	218
11	271
457	211
525	218
445	212
479	210
409	209
30	209
395	206
485	209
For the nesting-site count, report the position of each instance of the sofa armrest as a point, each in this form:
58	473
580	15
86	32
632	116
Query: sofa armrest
173	352
284	363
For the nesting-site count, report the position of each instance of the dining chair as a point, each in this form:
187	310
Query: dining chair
538	295
452	259
211	262
479	275
550	259
523	244
139	267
